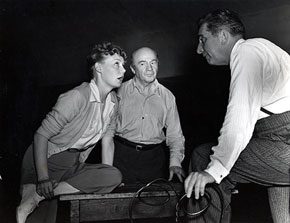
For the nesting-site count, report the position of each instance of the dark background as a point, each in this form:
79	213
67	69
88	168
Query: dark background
44	44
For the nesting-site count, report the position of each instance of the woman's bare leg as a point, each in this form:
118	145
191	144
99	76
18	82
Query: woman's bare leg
30	198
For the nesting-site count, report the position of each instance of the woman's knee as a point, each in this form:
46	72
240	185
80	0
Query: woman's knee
109	174
117	176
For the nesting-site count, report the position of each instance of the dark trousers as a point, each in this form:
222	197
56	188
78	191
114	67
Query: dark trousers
141	166
265	161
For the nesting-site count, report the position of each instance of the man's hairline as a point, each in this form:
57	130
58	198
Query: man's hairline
145	47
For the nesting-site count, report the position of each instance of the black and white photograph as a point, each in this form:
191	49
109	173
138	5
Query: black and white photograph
145	111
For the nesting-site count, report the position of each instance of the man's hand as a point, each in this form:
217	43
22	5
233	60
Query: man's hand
197	181
178	171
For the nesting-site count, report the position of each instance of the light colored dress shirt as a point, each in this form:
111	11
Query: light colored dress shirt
99	120
260	77
142	117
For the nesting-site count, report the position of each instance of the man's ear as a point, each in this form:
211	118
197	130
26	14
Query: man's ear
98	67
132	69
224	36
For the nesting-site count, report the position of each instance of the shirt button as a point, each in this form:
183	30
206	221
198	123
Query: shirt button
221	176
142	117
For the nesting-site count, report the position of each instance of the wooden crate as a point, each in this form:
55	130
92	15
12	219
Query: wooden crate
116	205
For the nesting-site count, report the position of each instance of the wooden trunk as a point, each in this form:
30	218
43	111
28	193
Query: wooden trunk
116	205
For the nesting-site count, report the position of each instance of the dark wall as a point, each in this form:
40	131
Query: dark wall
44	45
52	38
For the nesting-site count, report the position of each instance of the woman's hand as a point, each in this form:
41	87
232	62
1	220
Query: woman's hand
45	188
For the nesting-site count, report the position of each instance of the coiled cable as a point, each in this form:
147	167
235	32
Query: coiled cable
150	184
184	202
181	205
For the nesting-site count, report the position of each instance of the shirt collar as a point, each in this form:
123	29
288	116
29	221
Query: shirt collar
95	95
154	87
236	46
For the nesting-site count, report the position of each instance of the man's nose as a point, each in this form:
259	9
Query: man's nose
149	67
199	49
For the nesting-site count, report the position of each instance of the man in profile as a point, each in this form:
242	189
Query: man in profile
254	142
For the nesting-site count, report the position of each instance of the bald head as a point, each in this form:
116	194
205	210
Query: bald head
145	65
142	52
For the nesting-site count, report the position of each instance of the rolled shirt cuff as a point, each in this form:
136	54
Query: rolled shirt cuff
217	170
174	161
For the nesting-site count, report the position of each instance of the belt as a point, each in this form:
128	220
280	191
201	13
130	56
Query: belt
137	146
74	150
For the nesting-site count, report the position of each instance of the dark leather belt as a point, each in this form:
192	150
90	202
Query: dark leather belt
74	150
137	146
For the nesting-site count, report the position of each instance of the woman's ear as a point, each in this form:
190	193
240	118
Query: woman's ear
98	67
